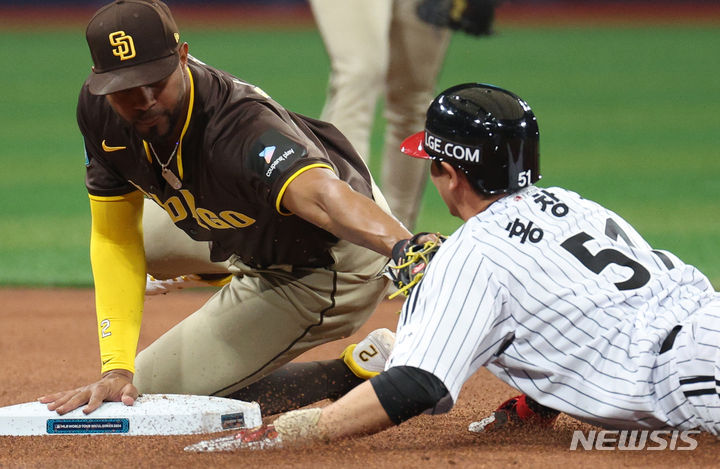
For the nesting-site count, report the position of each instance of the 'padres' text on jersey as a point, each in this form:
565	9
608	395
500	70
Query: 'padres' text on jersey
557	296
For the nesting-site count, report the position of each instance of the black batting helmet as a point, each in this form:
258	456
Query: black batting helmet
487	132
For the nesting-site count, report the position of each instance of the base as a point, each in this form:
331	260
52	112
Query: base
152	414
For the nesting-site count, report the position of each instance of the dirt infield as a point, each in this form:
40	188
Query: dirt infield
48	343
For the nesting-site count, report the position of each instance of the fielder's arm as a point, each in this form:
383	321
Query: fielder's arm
118	261
320	197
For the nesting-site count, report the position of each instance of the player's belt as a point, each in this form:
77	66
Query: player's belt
670	339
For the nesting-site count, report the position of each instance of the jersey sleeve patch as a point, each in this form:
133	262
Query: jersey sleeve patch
272	154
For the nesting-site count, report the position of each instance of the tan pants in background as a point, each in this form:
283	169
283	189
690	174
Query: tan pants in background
381	48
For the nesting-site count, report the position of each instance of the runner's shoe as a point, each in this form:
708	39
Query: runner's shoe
518	410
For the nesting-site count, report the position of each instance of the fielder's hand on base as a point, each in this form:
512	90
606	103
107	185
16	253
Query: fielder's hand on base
114	386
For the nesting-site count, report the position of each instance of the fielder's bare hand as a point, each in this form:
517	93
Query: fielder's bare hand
114	386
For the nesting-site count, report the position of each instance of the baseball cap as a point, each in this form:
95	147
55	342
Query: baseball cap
132	43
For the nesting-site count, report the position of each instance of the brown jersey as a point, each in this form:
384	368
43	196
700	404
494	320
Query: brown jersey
238	152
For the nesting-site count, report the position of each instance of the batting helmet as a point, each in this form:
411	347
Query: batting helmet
487	132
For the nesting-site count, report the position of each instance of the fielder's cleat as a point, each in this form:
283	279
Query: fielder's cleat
367	358
155	286
518	410
262	437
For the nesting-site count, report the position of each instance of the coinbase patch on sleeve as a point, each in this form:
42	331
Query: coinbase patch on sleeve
272	154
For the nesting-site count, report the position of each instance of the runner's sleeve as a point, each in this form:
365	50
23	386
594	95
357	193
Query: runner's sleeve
406	391
118	263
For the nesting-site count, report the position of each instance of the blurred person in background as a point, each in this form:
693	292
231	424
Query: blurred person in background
394	49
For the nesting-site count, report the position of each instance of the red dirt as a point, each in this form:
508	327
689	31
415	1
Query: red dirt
48	343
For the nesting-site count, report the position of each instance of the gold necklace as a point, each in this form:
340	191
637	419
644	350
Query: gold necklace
168	175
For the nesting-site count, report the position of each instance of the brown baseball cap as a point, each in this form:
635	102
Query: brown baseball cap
132	43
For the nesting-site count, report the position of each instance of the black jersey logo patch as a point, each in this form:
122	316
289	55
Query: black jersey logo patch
273	153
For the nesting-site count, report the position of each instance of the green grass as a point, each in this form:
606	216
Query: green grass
626	117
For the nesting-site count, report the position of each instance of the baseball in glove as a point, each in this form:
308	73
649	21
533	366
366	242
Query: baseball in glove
411	260
473	17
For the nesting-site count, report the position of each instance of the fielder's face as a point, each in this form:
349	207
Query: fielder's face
154	110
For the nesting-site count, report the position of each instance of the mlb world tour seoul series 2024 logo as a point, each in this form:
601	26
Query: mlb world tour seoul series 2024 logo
634	440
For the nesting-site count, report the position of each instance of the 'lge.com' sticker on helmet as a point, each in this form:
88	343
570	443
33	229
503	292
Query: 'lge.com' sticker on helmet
445	148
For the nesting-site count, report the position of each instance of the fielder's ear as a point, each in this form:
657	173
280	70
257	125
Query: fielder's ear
183	51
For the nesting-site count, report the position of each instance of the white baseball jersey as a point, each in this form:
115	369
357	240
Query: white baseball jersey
561	299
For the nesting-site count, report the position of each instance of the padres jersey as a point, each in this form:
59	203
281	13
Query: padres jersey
237	154
558	297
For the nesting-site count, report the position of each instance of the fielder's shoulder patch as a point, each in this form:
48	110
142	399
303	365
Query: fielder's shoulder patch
272	154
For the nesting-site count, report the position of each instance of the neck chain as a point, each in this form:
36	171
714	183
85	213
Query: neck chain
168	175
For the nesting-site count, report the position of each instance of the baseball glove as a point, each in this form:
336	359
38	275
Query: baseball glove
411	260
473	17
